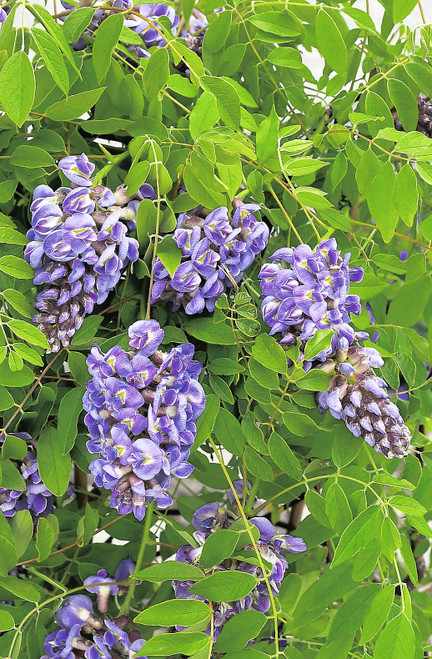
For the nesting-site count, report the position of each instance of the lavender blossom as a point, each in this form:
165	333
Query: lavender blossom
78	247
216	252
144	21
35	498
142	405
359	397
311	294
272	547
82	633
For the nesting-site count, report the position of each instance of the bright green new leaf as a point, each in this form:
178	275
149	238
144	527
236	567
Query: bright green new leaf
224	586
175	612
331	43
54	468
17	87
106	38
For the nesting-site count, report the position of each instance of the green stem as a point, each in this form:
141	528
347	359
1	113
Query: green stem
104	171
144	541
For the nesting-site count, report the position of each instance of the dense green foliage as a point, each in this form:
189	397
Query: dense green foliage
345	156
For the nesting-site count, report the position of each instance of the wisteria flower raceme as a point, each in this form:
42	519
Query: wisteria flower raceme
359	397
311	294
272	547
36	498
82	633
79	246
144	21
216	252
142	405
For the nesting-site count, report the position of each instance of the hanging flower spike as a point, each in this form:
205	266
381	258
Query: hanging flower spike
310	294
141	406
216	252
359	397
78	247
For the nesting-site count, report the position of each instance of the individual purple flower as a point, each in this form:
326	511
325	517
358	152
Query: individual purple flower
79	246
307	291
81	632
142	406
357	396
216	252
210	518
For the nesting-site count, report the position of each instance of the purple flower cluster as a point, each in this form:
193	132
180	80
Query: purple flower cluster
81	633
78	247
35	497
144	21
359	397
310	294
141	406
272	547
216	251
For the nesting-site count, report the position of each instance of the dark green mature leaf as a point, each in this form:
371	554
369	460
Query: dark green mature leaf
224	586
378	612
333	583
206	421
269	353
362	530
164	645
238	631
74	106
299	424
156	73
204	115
351	615
45	538
331	43
17	87
257	465
23	589
380	201
54	468
8	547
20	378
174	612
218	546
405	103
283	456
396	640
169	571
406	194
227	99
267	137
69	411
206	330
31	156
87	525
53	58
87	331
106	38
337	508
228	432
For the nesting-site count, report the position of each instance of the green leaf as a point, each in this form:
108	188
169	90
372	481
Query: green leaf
204	115
12	236
299	424
87	526
337	508
405	195
16	267
331	43
321	340
69	411
402	9
267	137
409	560
29	333
345	447
283	456
228	432
206	421
257	465
169	571
20	588
303	166
18	301
8	549
31	156
361	531
106	38
27	353
17	87
350	616
54	468
267	351
333	583
286	57
396	641
87	331
206	330
20	378
76	23
314	380
45	538
227	99
407	505
6	400
402	311
280	23
218	546
224	586
55	30
76	105
224	366
164	645
146	214
380	201
170	254
217	32
6	621
156	73
405	103
239	630
53	58
174	612
379	610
